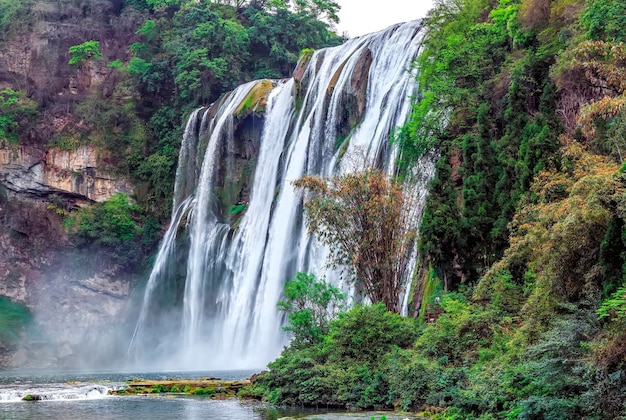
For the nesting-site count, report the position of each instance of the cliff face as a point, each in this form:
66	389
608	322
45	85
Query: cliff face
79	175
35	60
72	301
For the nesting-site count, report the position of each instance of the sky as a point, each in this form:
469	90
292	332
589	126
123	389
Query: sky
358	17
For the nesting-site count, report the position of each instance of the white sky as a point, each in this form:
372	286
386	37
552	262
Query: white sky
358	17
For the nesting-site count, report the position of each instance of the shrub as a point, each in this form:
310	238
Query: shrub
310	305
369	224
86	51
117	226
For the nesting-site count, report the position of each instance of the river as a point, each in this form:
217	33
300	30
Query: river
79	395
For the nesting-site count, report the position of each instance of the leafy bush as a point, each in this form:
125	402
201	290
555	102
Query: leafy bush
605	20
116	226
310	305
82	52
16	109
344	368
615	306
366	333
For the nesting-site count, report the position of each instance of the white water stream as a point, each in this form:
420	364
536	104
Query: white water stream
234	276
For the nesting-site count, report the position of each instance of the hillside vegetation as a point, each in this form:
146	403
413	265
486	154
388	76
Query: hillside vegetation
521	298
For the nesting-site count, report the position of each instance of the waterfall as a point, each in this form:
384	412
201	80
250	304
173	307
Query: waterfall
237	232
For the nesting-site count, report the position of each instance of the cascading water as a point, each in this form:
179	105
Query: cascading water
221	310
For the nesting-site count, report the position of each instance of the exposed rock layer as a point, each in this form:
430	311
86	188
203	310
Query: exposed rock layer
73	300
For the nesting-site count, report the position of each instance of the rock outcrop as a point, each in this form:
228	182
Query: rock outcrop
72	303
79	175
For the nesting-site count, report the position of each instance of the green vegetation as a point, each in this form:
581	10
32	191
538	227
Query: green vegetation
14	318
235	210
88	50
16	111
346	368
10	12
117	227
204	386
310	305
521	291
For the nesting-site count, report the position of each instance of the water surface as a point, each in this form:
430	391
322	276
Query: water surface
84	395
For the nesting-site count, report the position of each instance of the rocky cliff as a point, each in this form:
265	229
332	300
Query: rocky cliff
73	300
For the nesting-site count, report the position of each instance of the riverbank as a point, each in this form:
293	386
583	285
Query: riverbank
211	387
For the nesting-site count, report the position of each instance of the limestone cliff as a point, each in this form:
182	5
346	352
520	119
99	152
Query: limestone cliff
72	299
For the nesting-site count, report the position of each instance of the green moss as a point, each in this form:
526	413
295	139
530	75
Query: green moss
67	143
235	210
344	147
256	100
305	56
203	391
160	388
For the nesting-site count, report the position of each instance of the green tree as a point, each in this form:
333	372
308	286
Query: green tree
310	304
80	53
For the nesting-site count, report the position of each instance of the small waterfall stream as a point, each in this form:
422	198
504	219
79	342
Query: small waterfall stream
224	287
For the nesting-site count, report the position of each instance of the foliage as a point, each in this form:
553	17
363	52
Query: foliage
615	306
310	305
486	107
16	109
9	11
343	369
235	210
601	119
605	20
115	226
369	223
14	318
80	53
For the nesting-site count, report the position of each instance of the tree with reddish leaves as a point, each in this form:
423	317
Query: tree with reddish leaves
369	223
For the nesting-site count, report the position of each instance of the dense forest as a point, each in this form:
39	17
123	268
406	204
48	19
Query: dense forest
519	299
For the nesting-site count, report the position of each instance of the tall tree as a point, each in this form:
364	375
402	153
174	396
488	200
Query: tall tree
369	223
